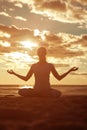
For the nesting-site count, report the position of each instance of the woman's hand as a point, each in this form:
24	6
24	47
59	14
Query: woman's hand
74	68
10	71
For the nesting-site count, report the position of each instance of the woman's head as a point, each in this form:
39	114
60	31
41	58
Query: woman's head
41	51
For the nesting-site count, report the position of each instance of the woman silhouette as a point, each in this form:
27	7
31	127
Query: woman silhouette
41	71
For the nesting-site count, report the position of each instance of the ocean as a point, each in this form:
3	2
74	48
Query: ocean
12	90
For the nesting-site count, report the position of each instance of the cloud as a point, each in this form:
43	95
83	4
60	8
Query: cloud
18	5
20	18
73	12
16	36
65	45
82	2
58	45
21	1
67	11
84	74
83	40
16	32
79	44
63	49
5	14
15	11
54	5
63	11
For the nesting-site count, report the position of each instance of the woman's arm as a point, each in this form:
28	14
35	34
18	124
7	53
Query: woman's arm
59	77
25	78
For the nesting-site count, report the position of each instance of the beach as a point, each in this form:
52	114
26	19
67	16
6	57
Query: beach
67	112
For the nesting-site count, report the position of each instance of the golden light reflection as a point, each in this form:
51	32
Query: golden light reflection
26	87
29	44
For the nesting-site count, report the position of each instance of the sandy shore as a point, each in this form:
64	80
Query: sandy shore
39	113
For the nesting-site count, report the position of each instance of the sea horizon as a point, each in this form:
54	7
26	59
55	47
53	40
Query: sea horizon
12	89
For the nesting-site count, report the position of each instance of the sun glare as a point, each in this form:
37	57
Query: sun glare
27	87
36	32
28	44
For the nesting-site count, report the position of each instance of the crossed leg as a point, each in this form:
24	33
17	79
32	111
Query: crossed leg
33	93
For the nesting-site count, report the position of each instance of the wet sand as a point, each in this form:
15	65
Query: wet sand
68	112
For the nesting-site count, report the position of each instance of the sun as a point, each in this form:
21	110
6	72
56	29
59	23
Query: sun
28	44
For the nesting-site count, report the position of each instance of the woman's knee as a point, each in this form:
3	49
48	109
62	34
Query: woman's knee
22	92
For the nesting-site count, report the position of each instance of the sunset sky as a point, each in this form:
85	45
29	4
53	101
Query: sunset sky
58	25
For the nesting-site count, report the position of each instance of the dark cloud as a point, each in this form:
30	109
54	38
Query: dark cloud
54	5
82	40
59	47
16	33
82	2
53	38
